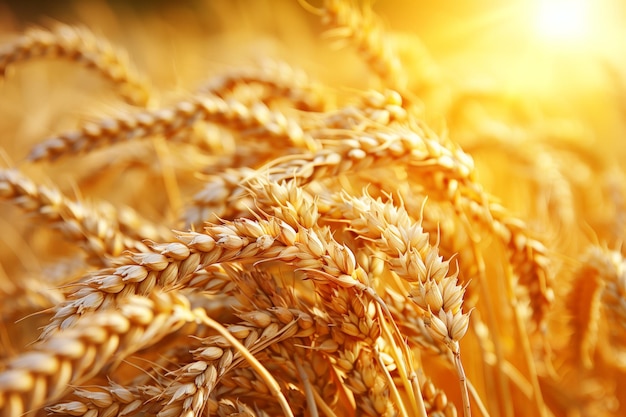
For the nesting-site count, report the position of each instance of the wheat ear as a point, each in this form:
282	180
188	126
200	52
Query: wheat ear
610	267
79	45
335	272
410	255
584	303
114	400
173	121
71	356
362	29
96	227
278	80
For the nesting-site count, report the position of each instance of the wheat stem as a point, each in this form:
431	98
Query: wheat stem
267	377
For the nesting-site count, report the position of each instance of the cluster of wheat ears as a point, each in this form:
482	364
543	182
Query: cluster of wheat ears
269	245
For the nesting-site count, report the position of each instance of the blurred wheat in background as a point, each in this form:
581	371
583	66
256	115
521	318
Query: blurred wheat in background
334	208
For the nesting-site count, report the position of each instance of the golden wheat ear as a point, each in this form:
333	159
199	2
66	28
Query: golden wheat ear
361	28
80	46
609	267
176	121
70	356
102	231
278	81
111	400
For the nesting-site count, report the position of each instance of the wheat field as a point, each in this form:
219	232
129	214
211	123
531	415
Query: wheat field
293	208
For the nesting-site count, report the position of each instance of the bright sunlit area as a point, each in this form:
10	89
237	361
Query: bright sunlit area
562	21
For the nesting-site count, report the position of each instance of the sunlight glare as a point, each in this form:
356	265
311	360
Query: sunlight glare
563	20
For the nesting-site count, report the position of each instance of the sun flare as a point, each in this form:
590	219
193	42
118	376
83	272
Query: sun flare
563	20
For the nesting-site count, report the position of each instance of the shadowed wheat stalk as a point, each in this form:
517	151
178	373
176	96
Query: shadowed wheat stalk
271	244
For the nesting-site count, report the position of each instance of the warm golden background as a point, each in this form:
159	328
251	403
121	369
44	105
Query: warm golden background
534	91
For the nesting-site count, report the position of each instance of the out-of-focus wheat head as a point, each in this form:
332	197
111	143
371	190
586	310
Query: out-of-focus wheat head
232	208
